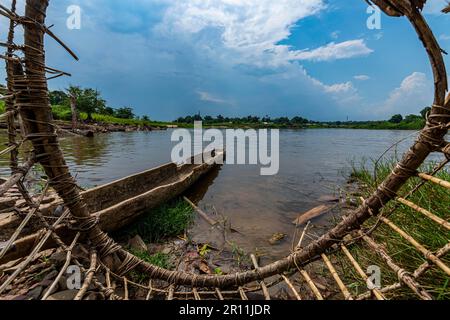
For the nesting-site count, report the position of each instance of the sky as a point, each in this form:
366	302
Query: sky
312	58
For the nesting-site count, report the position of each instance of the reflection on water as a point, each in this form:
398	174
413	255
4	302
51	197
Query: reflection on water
312	163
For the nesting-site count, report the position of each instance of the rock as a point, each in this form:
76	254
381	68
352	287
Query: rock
6	203
94	296
63	295
51	275
35	293
277	238
328	198
166	250
137	244
311	214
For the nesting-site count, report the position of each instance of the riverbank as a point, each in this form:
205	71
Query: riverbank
431	235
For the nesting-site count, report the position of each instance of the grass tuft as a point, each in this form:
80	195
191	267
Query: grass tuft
431	235
167	221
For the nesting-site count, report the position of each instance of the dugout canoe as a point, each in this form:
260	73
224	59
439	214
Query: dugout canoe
119	203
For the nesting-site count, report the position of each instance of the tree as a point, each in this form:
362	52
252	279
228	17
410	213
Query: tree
145	118
74	93
109	111
124	113
424	112
396	118
412	118
58	97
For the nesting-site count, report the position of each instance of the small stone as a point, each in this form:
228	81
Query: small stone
277	238
94	296
167	250
51	275
63	295
35	293
137	244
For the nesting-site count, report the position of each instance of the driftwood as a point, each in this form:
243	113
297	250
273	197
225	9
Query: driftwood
311	214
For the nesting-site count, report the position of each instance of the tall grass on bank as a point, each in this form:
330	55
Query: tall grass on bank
430	234
64	113
167	221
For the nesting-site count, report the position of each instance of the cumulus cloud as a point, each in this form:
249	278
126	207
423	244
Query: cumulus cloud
334	51
254	28
209	97
414	93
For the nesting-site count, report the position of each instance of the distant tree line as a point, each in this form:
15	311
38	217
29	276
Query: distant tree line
90	101
242	120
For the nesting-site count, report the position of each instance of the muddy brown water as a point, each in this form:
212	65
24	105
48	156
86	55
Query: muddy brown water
313	163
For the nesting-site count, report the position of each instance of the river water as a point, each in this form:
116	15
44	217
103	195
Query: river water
313	163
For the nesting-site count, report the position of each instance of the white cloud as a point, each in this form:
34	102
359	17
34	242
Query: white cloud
254	28
444	37
334	51
414	93
209	97
361	77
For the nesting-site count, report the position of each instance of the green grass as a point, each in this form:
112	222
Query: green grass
64	113
165	222
2	106
158	259
431	235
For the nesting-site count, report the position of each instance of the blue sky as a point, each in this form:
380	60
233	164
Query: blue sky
313	58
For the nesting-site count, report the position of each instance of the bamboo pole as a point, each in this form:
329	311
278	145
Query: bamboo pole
196	294
219	294
425	212
291	286
401	273
336	278
36	249
434	180
63	269
242	294
262	283
376	292
311	284
89	276
426	265
427	253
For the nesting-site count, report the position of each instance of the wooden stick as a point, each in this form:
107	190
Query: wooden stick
401	273
291	286
242	293
150	290
170	293
219	294
427	253
31	256
426	265
434	180
311	284
196	294
336	277
363	275
16	177
262	283
63	269
88	278
425	212
23	223
125	287
201	212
